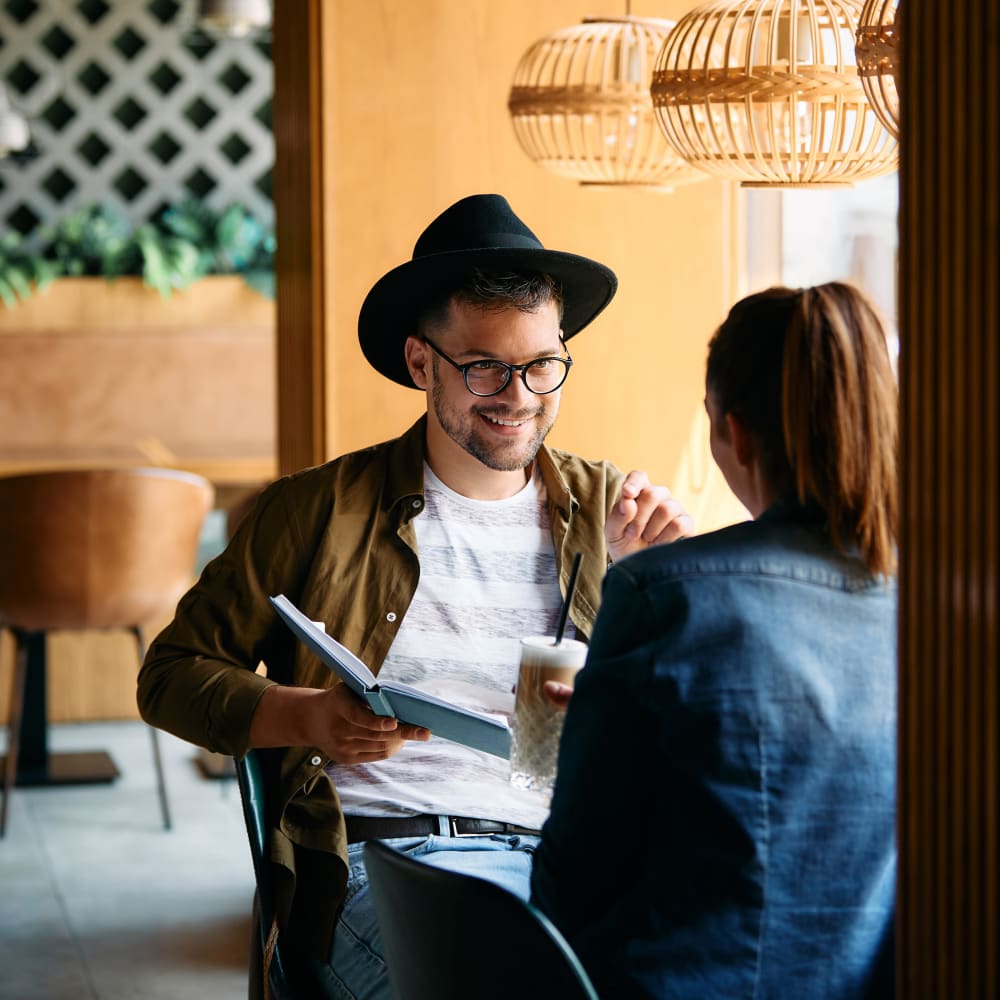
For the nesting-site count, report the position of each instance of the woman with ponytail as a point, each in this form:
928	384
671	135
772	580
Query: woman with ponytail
735	724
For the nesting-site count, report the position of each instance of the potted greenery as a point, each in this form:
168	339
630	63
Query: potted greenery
185	243
110	365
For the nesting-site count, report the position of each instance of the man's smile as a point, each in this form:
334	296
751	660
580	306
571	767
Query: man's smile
504	422
508	422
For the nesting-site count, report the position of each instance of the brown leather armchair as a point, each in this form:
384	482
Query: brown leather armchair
92	549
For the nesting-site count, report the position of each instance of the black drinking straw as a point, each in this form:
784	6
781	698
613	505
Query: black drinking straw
570	587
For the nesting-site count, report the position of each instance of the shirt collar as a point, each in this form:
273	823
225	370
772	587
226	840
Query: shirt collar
405	479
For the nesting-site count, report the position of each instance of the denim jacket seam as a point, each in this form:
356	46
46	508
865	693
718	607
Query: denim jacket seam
786	573
765	859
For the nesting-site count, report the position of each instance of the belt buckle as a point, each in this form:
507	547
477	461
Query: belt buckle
454	831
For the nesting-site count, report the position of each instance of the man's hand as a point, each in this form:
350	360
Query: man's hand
333	720
353	734
644	515
557	693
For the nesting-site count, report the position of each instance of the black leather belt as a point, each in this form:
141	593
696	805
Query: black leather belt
360	828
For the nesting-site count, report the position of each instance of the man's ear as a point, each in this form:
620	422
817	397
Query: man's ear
744	445
418	361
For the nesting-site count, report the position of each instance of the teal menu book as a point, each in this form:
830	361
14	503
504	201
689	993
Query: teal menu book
401	701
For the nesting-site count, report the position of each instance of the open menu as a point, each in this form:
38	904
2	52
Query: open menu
401	701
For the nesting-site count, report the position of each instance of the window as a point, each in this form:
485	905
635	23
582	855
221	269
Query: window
798	236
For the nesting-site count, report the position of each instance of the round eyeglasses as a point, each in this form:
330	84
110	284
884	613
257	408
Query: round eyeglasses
488	377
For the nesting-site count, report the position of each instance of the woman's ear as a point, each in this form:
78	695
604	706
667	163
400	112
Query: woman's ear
744	445
417	361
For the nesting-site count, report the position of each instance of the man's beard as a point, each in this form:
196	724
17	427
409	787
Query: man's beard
461	428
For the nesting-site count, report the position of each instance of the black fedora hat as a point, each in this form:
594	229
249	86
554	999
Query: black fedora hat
483	232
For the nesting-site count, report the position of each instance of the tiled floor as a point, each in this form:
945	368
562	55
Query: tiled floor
99	902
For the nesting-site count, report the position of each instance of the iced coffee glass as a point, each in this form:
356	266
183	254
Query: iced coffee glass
537	724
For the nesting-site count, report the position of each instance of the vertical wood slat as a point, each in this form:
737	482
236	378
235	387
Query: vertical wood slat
949	935
298	200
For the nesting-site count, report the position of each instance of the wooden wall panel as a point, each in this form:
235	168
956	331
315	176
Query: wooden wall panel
949	930
94	371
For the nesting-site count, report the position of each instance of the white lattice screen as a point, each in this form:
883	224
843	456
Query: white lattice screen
129	106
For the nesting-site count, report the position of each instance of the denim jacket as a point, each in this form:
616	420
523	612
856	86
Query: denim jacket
723	823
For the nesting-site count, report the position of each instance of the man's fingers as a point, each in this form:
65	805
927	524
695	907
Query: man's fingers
651	505
414	733
644	514
355	712
557	693
621	516
666	521
370	746
624	511
635	482
355	734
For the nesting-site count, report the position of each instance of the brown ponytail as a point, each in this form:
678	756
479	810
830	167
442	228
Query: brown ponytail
808	371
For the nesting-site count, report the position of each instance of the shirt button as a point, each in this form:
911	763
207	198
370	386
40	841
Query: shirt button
391	616
416	504
316	761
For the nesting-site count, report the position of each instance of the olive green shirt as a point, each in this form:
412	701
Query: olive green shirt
338	541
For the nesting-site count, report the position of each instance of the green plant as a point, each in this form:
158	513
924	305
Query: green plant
22	271
93	240
190	240
185	242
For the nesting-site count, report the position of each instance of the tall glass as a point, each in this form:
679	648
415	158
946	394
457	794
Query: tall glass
537	724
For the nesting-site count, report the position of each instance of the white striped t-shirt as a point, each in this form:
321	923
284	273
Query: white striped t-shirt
487	577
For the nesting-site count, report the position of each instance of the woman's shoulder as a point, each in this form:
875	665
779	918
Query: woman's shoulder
792	548
696	553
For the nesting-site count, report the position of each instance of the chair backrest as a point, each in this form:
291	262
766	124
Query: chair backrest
251	779
269	976
98	548
447	935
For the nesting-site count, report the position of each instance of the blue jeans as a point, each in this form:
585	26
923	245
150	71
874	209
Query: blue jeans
356	970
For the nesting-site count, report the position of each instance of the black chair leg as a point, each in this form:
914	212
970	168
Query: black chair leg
256	988
14	725
161	785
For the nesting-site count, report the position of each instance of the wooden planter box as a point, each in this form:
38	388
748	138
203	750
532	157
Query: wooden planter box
98	371
110	373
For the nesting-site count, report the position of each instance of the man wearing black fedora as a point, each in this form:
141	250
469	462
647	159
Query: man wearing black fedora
429	556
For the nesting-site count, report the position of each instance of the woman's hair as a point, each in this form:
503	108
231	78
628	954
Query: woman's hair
808	373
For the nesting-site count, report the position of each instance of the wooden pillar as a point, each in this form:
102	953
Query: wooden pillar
948	930
302	304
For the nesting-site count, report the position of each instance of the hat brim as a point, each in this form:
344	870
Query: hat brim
391	309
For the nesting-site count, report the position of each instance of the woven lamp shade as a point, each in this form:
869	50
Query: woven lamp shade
767	92
14	134
877	46
234	18
581	107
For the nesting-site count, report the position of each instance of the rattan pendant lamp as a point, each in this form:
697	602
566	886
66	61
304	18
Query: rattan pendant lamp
14	134
878	59
580	105
767	92
234	18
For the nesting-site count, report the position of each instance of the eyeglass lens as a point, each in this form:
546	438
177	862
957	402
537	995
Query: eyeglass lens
486	378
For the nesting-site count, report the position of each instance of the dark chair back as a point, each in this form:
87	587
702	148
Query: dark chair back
272	975
448	936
